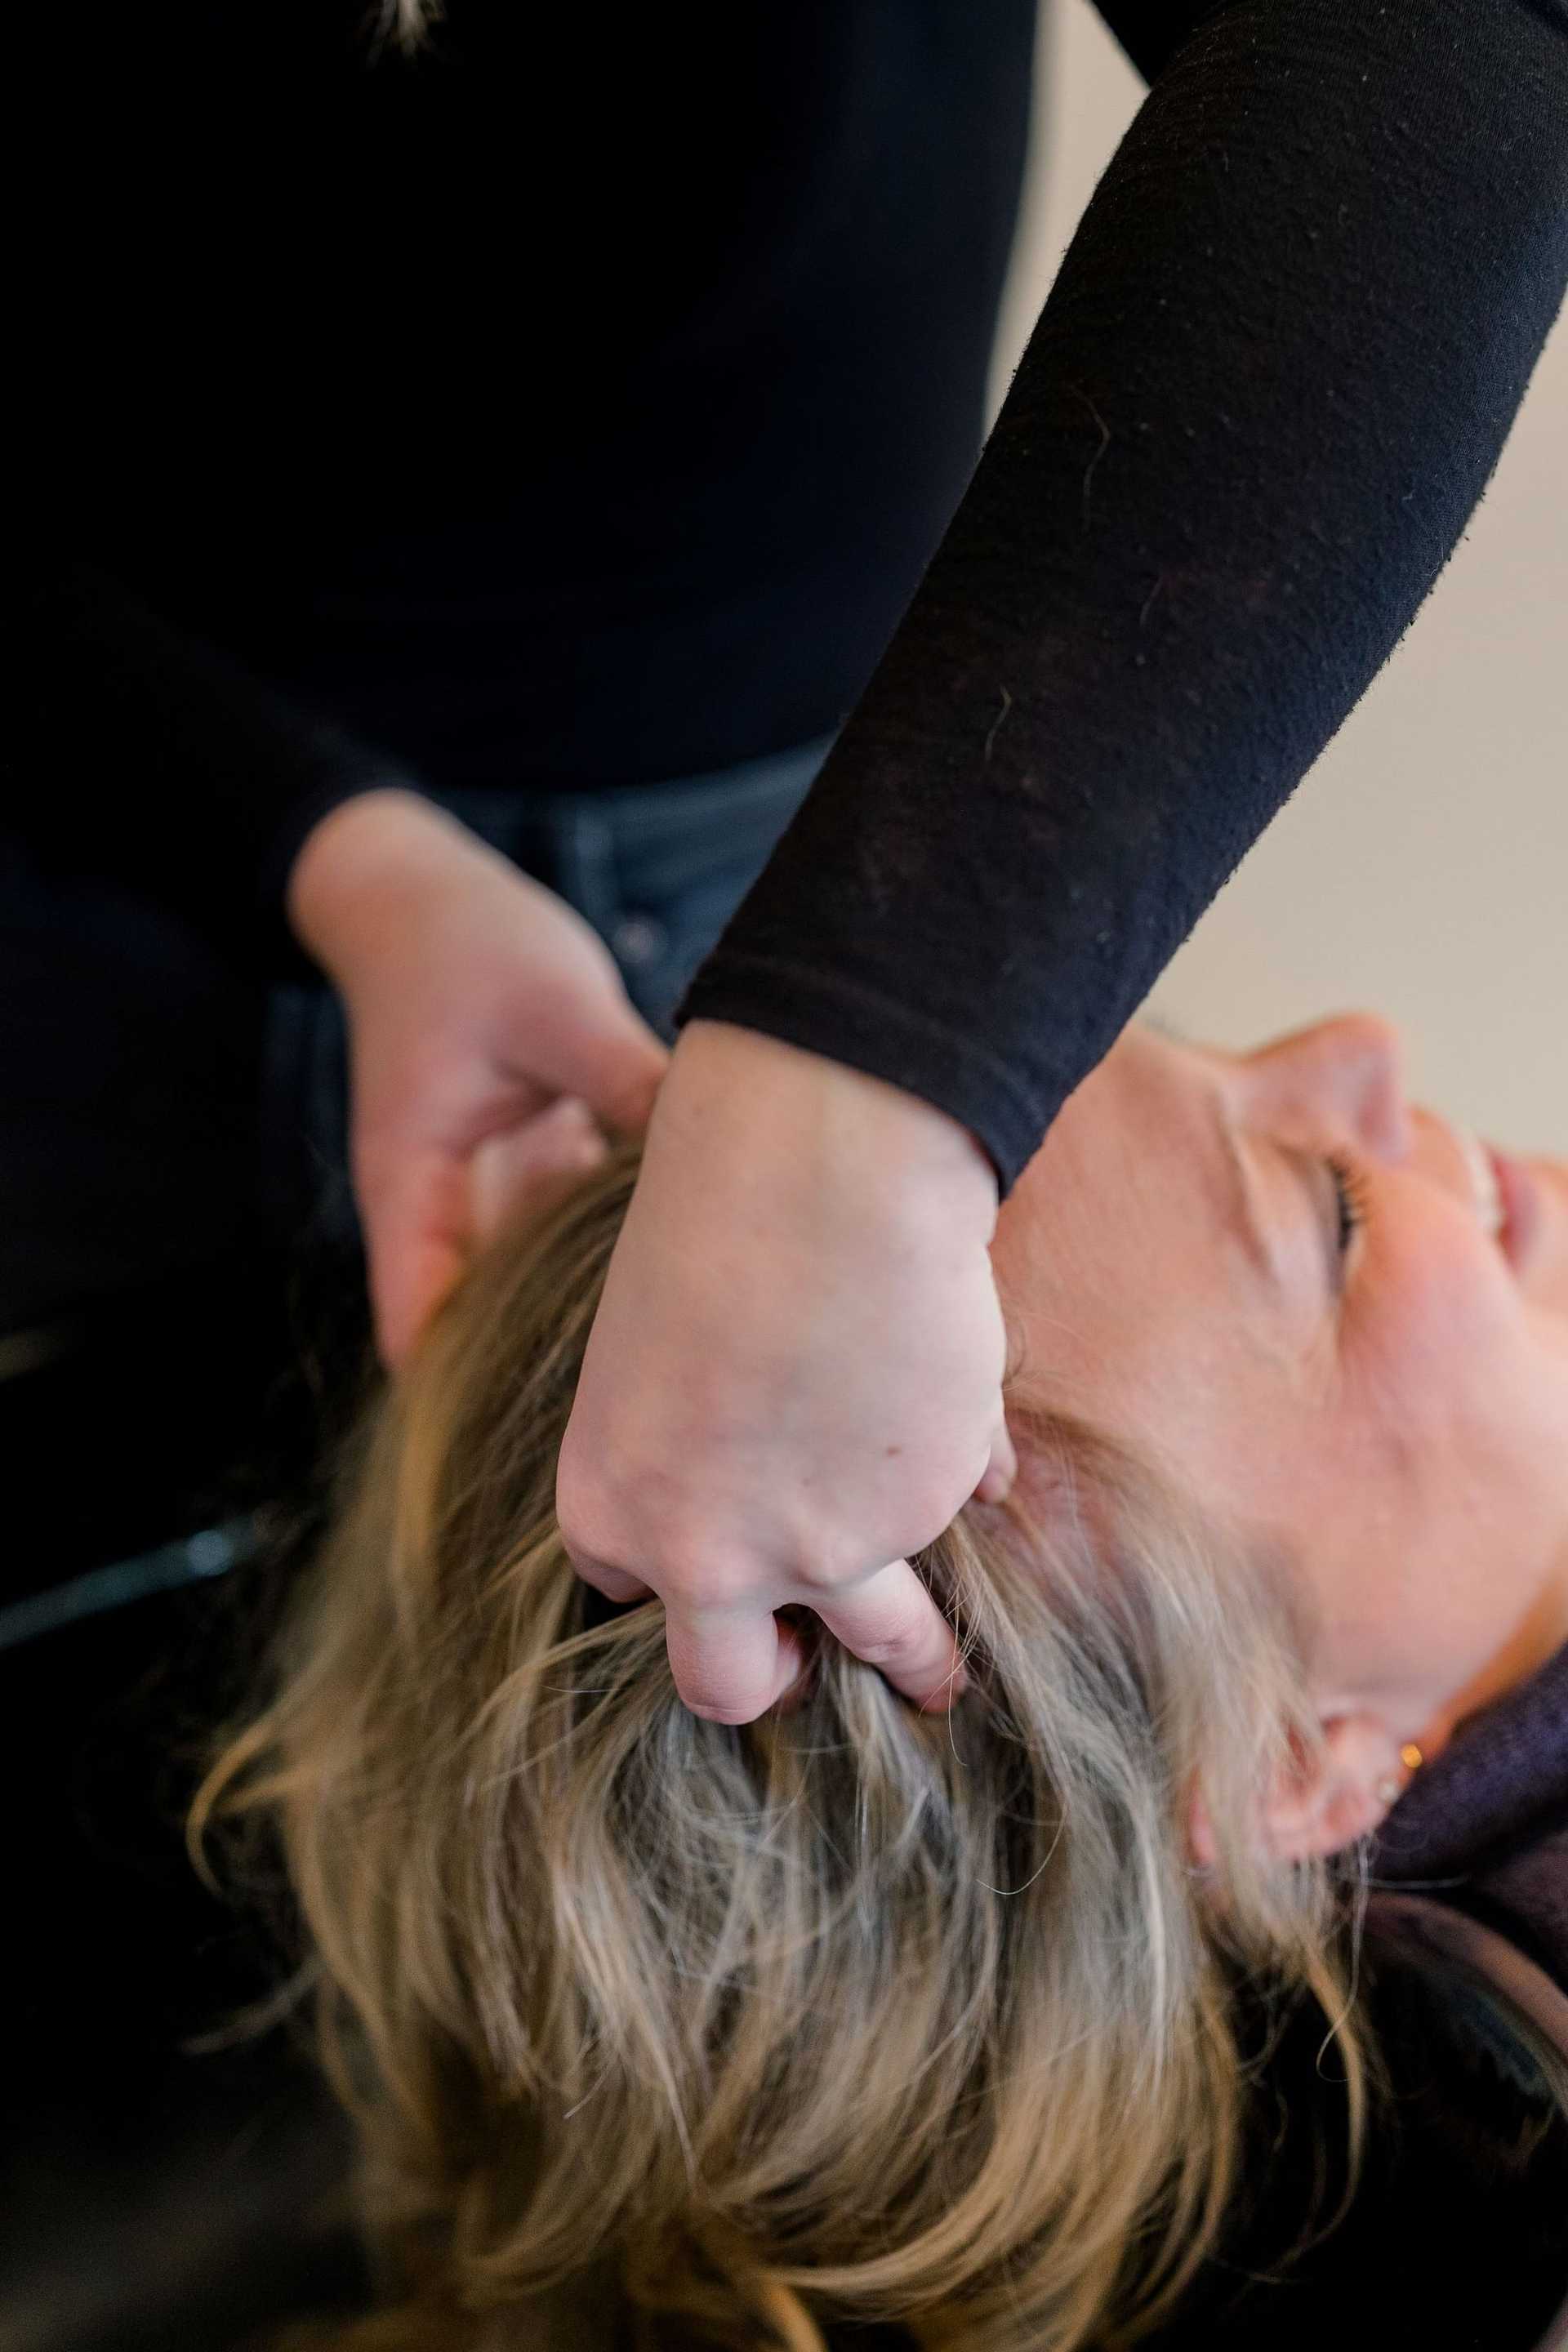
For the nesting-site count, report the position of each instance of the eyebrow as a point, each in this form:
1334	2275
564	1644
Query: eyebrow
1241	1209
1246	1217
1255	1231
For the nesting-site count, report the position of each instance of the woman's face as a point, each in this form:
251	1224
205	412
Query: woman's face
1389	1397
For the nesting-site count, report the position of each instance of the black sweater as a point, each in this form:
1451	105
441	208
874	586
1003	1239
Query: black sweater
579	402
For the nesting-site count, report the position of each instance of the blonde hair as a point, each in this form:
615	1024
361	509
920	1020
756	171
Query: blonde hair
403	23
850	2012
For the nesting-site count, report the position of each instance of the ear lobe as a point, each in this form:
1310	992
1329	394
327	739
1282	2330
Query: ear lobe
1324	1802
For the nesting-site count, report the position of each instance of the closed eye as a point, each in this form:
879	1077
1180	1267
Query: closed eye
1350	1196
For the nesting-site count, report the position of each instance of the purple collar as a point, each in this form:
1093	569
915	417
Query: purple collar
1484	1827
1501	1783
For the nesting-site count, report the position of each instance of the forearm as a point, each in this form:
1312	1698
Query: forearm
1275	371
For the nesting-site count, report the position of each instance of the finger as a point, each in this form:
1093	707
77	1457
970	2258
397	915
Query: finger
406	1287
793	1696
891	1622
1000	1471
614	1583
422	1227
416	1245
517	1173
619	1065
810	1641
731	1669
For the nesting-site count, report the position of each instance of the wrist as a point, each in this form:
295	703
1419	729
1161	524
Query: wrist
358	864
845	1112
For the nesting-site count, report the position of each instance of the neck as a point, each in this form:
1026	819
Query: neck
1542	1632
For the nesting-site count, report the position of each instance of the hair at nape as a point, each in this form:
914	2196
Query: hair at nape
851	2012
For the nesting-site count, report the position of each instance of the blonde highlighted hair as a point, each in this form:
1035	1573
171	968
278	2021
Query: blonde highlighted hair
850	2012
403	23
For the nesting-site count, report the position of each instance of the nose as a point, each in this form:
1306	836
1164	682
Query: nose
1350	1073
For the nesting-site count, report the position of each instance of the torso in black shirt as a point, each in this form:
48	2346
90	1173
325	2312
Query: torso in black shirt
577	402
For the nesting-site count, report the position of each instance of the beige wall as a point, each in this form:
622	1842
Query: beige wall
1420	869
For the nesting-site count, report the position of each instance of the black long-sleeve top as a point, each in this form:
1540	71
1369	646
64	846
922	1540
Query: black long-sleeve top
581	400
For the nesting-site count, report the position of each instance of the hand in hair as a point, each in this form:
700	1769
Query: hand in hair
489	1029
794	1378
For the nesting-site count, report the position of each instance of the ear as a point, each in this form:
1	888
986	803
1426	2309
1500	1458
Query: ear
1322	1804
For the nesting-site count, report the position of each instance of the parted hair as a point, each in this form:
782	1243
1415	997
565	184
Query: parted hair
852	2012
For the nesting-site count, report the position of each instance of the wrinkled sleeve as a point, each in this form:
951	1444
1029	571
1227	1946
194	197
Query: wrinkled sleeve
1275	373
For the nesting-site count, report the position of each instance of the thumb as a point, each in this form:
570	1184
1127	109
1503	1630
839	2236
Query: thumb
416	1213
619	1064
1000	1471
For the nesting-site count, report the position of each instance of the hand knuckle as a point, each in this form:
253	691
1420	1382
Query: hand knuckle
830	1561
600	1521
697	1578
590	1527
891	1649
719	1708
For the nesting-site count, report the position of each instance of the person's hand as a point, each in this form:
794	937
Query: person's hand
794	1378
489	1034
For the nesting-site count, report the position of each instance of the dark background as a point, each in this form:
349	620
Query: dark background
167	2178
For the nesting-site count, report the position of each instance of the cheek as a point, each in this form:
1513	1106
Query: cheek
1451	1391
1432	1320
1429	1549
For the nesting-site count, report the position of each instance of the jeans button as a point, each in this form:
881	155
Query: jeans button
640	940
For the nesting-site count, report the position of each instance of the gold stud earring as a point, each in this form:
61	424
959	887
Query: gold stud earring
1391	1787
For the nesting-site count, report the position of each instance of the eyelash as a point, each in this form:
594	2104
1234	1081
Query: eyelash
1350	1190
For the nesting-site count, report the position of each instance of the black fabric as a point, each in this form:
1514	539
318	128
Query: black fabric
1274	374
575	405
580	400
1455	2235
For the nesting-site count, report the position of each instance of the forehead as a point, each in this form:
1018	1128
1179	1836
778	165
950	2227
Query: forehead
1119	1253
1150	1102
1126	1163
